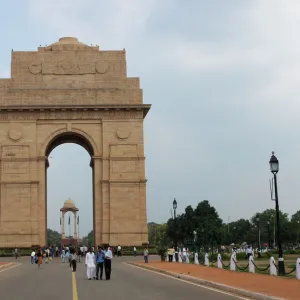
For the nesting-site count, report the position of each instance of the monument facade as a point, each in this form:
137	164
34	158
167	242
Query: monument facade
71	92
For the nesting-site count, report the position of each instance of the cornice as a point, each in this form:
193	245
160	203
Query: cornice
69	108
123	181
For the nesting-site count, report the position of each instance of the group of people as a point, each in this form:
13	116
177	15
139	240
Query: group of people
96	261
36	257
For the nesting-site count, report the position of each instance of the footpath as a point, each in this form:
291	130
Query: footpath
255	286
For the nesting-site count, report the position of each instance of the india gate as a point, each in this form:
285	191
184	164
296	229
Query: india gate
69	92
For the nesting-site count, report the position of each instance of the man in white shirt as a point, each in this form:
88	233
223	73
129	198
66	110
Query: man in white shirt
249	252
90	263
32	256
107	263
119	250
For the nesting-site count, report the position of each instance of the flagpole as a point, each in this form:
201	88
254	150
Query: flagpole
69	226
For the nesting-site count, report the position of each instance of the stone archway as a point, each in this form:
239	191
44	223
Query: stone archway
84	140
69	91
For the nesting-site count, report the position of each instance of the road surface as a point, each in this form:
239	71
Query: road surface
54	281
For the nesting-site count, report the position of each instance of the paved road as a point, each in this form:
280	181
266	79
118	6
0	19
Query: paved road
54	281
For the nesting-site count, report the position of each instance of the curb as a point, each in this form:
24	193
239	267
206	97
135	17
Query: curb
219	286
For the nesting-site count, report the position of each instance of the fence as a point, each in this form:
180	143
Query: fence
233	264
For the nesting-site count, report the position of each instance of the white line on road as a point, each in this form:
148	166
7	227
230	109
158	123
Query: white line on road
5	269
192	283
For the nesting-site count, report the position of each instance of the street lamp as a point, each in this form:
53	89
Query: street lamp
175	227
258	226
274	166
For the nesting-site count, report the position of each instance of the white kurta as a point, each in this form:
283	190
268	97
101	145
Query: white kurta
90	264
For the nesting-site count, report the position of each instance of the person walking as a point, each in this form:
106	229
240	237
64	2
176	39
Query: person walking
32	257
119	250
16	253
40	257
47	255
73	259
248	252
107	263
99	263
146	255
170	254
134	251
89	263
63	255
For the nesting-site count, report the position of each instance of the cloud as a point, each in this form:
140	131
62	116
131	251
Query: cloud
116	22
223	81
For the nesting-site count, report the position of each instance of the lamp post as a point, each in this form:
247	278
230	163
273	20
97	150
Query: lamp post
274	166
175	226
258	227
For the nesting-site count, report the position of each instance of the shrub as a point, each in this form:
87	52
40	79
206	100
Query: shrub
201	258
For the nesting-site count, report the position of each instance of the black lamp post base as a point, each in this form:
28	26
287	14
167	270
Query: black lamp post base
281	268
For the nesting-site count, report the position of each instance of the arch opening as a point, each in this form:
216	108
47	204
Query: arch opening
64	181
70	137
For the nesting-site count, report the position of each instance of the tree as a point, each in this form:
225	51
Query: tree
267	230
239	231
295	227
204	220
89	239
53	238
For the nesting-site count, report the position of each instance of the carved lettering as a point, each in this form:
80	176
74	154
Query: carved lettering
15	151
69	67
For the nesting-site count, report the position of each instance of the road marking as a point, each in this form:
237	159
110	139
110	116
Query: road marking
5	269
74	288
192	283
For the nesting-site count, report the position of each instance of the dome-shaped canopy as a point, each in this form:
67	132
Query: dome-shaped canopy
68	41
69	204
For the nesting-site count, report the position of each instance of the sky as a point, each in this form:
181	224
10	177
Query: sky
223	81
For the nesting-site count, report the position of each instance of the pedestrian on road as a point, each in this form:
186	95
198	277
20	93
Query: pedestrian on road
99	263
134	251
32	257
107	263
63	255
16	253
146	255
90	264
40	257
119	250
46	254
73	259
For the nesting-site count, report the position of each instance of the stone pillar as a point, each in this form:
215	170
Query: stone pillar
75	225
63	226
